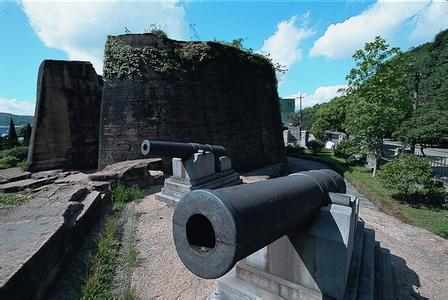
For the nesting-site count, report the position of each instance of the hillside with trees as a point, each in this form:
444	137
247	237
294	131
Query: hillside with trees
18	120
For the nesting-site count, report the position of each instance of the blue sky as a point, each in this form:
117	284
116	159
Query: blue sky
315	40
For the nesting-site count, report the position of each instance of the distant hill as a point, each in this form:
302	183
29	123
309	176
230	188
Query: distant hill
17	119
431	61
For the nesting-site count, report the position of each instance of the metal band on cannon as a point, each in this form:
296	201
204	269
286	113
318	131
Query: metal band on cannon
214	229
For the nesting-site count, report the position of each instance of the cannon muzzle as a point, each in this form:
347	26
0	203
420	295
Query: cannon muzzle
180	150
214	229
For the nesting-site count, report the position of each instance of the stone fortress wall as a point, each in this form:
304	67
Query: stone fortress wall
205	92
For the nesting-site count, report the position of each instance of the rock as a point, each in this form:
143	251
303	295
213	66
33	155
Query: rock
156	177
13	174
21	185
217	94
67	116
130	172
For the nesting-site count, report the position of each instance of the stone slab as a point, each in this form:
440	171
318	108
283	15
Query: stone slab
13	174
21	185
39	237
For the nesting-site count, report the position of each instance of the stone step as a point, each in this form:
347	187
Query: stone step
170	200
386	280
356	263
367	271
172	193
176	186
377	284
232	179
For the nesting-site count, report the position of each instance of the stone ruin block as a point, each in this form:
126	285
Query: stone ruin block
66	122
179	91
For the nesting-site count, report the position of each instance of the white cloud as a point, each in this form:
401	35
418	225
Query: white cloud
80	28
321	95
284	45
382	18
17	107
430	21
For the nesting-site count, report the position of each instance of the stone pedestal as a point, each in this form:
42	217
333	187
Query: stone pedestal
310	264
201	171
334	258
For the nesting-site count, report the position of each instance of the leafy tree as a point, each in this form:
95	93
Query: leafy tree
330	116
379	87
346	150
13	141
2	141
426	127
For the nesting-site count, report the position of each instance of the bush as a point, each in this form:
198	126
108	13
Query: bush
346	150
8	162
294	149
21	153
411	176
315	145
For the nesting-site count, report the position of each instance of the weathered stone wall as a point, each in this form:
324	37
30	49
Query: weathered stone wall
160	89
66	123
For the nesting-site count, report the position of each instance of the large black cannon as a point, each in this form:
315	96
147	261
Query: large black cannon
214	229
180	150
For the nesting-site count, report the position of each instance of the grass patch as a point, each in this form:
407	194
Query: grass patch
105	258
433	219
12	199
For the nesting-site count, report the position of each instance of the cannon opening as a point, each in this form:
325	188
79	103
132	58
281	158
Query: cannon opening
200	234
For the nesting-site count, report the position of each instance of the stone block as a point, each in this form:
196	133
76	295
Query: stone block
199	166
224	164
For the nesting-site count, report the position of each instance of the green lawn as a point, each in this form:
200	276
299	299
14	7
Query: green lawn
433	219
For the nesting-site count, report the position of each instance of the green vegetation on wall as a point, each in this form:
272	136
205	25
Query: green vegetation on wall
122	61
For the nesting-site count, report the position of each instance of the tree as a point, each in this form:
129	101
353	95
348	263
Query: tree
379	89
426	127
27	135
13	141
330	116
369	122
308	116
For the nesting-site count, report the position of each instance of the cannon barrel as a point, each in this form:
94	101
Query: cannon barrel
180	150
214	229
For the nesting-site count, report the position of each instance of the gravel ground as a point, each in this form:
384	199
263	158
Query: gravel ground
420	258
161	274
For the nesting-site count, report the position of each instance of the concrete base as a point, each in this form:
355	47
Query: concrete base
202	171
